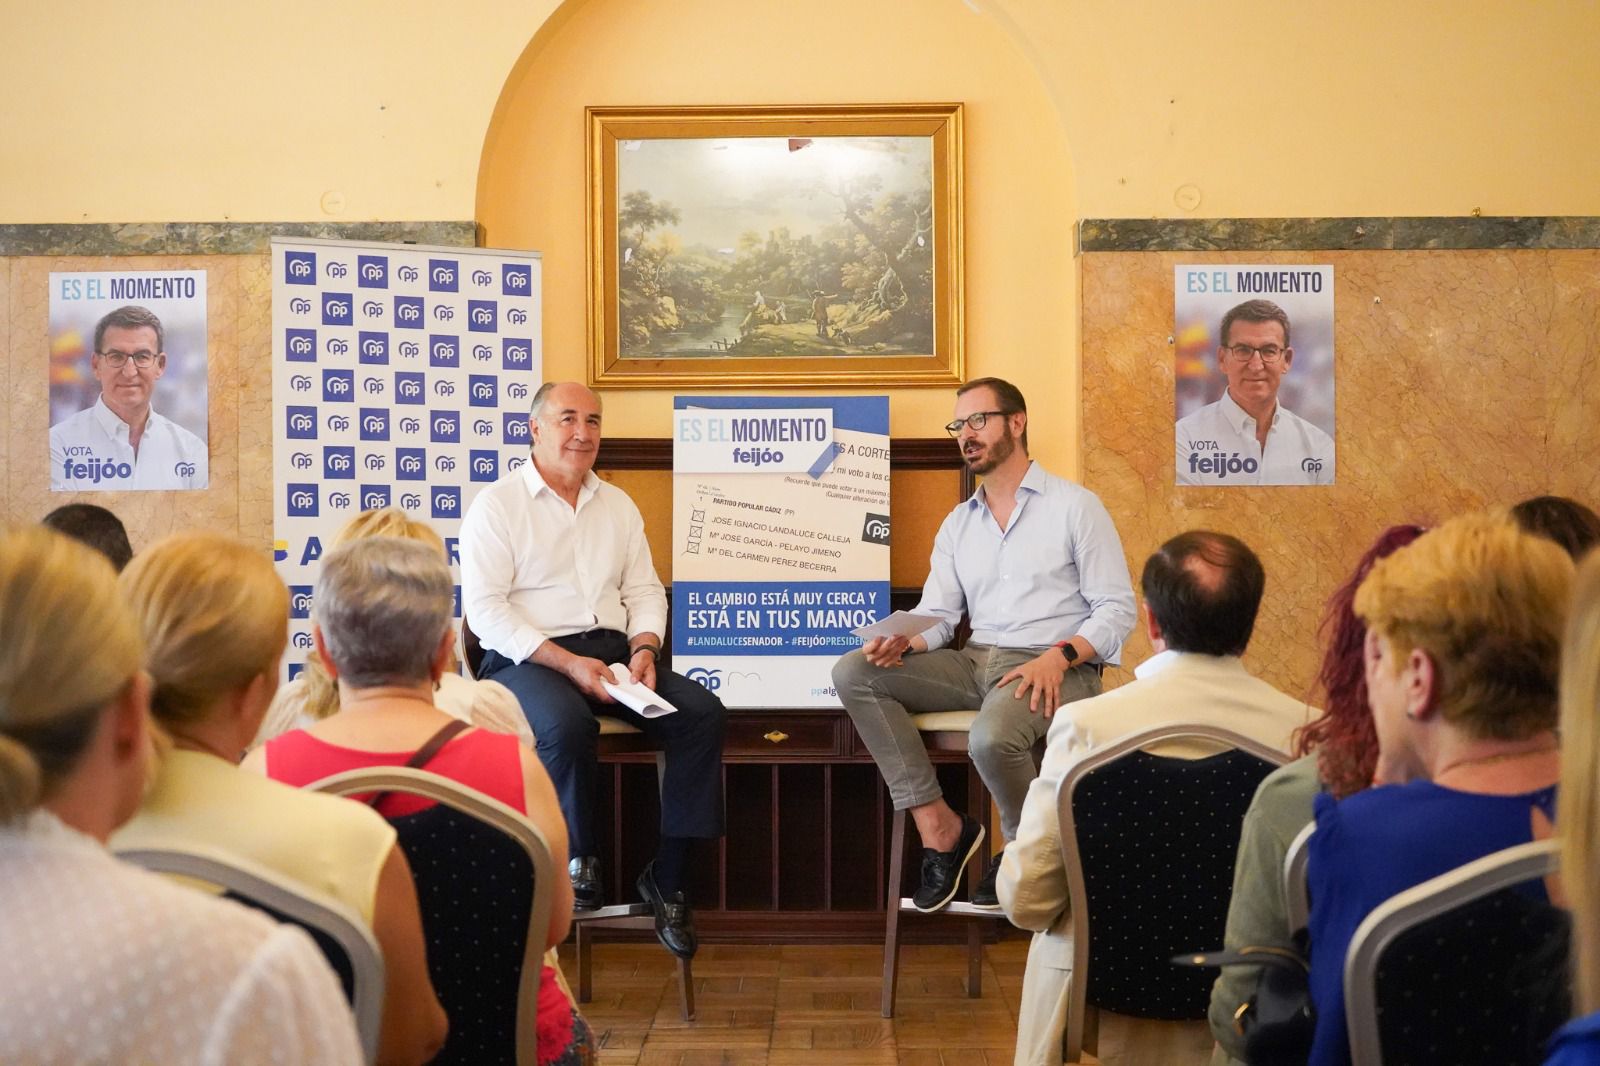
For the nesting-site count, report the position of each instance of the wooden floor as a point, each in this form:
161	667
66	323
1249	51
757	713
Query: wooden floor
779	1005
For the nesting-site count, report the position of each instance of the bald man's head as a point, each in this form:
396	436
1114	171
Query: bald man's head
1203	588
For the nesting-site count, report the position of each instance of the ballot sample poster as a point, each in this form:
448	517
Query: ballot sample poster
128	380
780	541
1253	374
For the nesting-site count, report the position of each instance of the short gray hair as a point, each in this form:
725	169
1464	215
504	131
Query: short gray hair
382	604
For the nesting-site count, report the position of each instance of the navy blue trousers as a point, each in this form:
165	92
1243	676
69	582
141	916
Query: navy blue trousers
563	719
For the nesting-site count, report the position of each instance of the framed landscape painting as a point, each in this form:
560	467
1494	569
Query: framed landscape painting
775	246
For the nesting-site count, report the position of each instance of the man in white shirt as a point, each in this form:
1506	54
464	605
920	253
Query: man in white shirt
558	585
1201	592
1247	437
121	442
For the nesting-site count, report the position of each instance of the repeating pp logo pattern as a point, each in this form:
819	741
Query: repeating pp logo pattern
401	377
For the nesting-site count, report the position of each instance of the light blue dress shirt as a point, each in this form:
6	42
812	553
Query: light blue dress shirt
1055	572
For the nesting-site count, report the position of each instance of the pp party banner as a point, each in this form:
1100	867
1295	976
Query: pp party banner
401	377
128	380
780	535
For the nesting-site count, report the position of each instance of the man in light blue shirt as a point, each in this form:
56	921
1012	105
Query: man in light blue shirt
1035	563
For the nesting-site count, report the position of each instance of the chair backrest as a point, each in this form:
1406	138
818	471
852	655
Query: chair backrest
471	649
339	932
1296	897
1149	843
1470	966
484	881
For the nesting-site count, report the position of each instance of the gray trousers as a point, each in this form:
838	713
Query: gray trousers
881	702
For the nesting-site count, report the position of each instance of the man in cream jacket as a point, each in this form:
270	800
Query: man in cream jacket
1201	592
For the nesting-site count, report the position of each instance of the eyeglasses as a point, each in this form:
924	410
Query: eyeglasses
1271	354
976	420
117	360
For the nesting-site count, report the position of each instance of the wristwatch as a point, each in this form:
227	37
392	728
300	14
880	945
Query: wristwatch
655	652
1069	650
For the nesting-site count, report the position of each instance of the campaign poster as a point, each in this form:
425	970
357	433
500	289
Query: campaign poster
402	376
1254	374
128	380
780	534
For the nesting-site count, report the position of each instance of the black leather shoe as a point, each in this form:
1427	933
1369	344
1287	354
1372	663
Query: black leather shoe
985	895
674	920
941	870
588	894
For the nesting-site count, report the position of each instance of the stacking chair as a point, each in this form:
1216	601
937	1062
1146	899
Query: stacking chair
1149	843
616	738
1470	966
344	938
1296	898
484	881
945	733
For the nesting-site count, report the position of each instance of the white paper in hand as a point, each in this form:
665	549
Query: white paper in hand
630	693
900	624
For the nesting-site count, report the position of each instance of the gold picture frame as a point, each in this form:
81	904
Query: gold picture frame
772	246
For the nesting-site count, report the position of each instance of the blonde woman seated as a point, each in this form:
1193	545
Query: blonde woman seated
99	961
313	696
214	618
381	624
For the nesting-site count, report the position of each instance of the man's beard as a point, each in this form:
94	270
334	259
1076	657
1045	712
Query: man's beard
985	459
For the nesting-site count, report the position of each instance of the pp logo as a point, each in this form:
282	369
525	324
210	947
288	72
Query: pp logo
373	348
446	501
482	353
446	427
408	349
374	461
300	382
407	273
300	423
336	270
299	601
183	469
410	501
408	387
411	425
516	428
374	497
339	501
516	391
301	460
371	309
875	530
482	277
302	500
411	464
300	268
442	275
444	388
516	279
711	680
374	423
517	316
443	312
338	346
337	309
302	640
516	354
482	427
481	317
339	463
482	391
444	350
338	424
296	669
1311	465
483	465
299	306
300	345
444	463
372	271
408	312
515	462
373	386
338	386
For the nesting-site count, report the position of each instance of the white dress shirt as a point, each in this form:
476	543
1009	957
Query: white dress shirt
1055	571
84	445
533	567
102	962
1217	446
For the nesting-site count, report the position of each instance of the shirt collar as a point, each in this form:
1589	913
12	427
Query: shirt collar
1240	419
1161	662
537	484
1032	481
115	427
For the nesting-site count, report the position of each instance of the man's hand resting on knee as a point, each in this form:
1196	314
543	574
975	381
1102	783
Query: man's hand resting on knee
590	675
888	651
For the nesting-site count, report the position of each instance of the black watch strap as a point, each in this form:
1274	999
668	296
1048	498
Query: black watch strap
1068	650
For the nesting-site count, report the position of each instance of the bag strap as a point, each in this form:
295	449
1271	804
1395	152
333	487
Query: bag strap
424	755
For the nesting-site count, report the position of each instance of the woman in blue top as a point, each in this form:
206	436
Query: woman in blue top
1462	651
1579	1043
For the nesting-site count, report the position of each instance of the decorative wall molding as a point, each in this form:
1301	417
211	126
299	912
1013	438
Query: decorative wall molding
214	238
1335	234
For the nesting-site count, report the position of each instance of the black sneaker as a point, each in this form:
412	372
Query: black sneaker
984	896
588	891
941	870
674	920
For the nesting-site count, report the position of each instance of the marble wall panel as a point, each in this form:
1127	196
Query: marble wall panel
1464	379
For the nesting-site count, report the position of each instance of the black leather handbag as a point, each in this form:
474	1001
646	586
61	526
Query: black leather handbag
1278	1020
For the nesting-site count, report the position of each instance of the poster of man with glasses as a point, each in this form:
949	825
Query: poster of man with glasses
113	337
1254	374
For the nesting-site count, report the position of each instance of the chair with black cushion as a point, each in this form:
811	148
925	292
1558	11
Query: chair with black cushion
1149	843
1470	966
484	880
616	738
345	940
